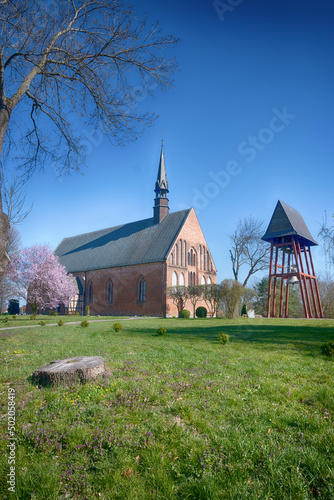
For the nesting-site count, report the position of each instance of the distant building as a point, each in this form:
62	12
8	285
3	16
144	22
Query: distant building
126	269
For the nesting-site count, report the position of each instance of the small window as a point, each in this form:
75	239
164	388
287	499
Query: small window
90	292
209	281
174	279
110	292
141	294
203	282
181	279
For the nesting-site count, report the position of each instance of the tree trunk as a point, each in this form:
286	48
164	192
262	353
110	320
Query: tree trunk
4	222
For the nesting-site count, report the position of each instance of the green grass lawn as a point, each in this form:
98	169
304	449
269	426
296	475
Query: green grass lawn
180	417
24	320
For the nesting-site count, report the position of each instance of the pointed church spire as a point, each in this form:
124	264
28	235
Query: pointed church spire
161	208
162	178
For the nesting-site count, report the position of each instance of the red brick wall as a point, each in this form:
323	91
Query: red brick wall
192	235
126	289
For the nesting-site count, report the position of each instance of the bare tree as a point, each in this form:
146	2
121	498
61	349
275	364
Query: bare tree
194	294
326	289
179	296
7	287
248	249
14	201
211	296
326	235
71	64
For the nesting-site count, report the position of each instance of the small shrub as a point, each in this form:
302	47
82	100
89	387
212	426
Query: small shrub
55	313
244	310
77	314
84	323
117	327
60	322
6	319
185	313
42	323
201	312
87	309
328	349
32	317
14	316
161	331
223	338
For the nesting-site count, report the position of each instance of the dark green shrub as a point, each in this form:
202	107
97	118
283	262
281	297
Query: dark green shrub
244	310
161	331
84	323
60	322
117	327
223	338
201	312
42	323
87	309
185	313
328	349
6	319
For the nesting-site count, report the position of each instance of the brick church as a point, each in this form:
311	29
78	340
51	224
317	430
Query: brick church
125	270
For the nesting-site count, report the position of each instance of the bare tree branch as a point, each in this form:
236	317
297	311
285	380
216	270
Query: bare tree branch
248	249
15	198
68	66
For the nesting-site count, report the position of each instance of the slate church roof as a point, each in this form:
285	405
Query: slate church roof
138	242
286	221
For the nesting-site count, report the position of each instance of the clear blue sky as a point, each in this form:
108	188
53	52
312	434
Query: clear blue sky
249	121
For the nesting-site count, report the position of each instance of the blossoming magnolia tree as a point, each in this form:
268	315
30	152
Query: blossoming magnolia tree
40	278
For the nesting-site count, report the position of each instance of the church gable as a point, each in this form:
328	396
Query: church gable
189	260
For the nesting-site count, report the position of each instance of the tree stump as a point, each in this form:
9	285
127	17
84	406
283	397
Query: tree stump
69	371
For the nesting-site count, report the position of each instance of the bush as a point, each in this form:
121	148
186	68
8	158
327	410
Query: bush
84	323
161	331
77	314
6	319
32	317
328	349
14	316
60	322
87	311
42	323
117	327
223	338
55	313
185	313
244	310
201	312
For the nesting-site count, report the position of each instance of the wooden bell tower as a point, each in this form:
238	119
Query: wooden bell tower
291	263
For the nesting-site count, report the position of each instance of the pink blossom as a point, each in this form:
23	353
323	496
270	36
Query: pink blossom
40	278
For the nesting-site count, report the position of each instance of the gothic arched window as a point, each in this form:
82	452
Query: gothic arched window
141	290
181	281
174	279
110	292
90	292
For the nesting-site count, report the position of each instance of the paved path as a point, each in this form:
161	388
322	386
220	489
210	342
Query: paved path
77	322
